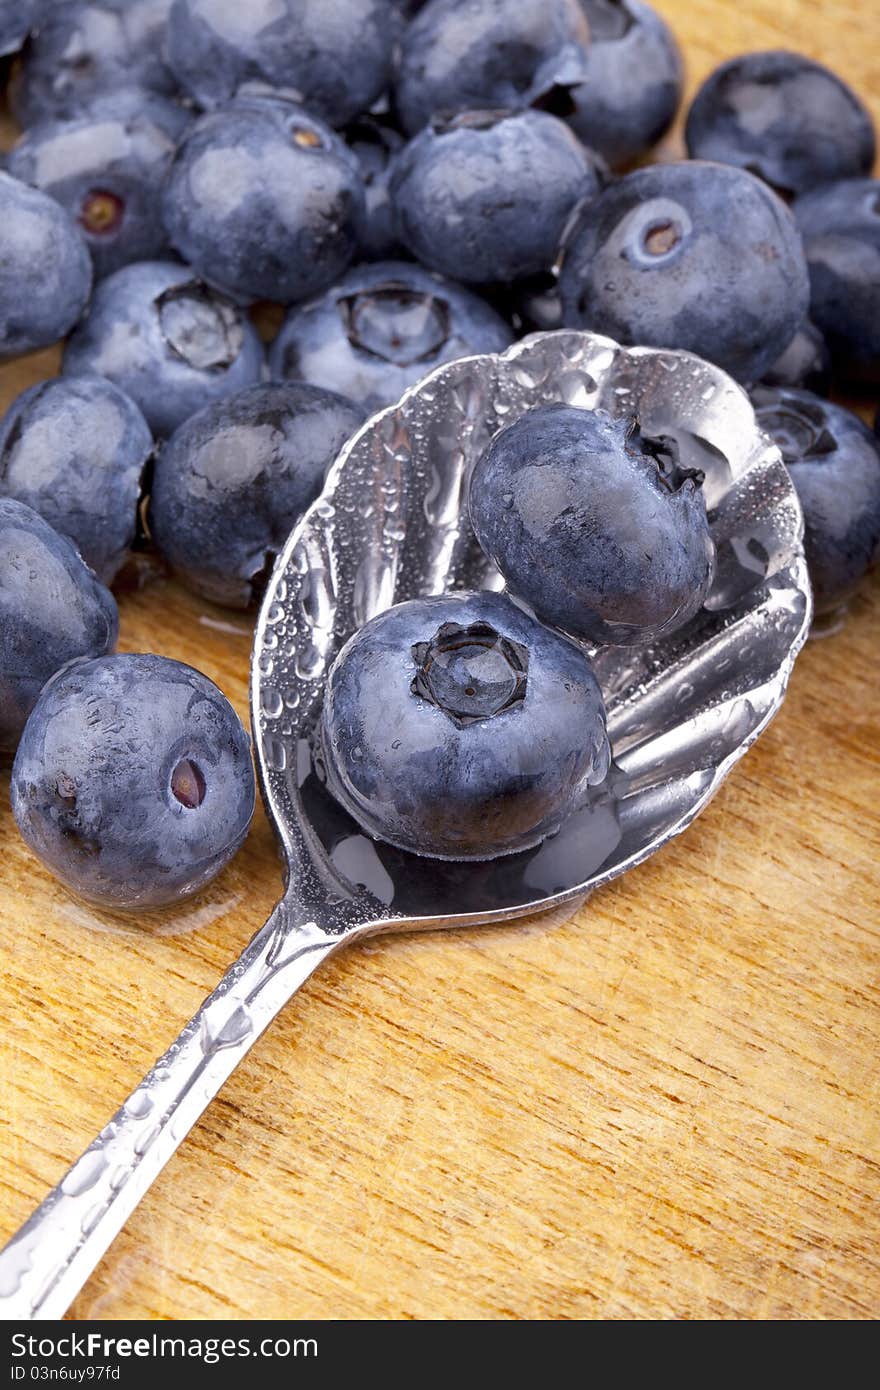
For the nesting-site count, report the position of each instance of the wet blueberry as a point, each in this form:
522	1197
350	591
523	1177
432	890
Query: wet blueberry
75	449
45	271
458	56
167	340
381	329
631	85
595	527
336	56
457	727
783	117
806	362
698	256
264	200
375	140
83	47
840	226
834	461
233	481
133	781
52	611
486	195
107	167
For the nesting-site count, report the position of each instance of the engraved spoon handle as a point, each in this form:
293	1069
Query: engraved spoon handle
48	1260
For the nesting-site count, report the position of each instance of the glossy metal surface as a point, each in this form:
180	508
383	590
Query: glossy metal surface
389	526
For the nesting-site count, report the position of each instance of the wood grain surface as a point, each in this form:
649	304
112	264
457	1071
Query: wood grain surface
664	1105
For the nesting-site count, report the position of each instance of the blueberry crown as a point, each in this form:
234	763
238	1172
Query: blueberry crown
201	327
470	673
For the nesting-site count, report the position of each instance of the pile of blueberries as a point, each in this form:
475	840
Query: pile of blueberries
411	183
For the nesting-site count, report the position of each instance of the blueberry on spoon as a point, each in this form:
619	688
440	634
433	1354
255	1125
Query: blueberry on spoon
458	727
594	526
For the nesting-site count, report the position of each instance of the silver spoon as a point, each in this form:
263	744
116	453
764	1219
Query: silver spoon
389	526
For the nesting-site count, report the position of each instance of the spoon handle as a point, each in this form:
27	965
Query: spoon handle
48	1260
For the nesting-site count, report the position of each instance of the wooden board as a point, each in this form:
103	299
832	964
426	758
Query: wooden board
664	1106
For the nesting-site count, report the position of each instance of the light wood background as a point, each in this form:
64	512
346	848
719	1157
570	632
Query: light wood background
665	1106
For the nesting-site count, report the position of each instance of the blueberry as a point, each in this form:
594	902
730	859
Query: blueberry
834	461
595	527
381	329
697	256
375	140
83	47
783	117
457	727
840	226
133	781
806	362
45	271
336	54
486	195
167	340
52	611
75	449
233	481
457	55
17	19
107	167
631	85
264	200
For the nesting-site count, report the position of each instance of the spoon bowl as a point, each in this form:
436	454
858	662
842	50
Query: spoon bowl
390	525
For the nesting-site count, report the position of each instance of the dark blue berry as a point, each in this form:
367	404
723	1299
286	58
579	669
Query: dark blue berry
336	54
45	270
631	84
595	527
381	329
840	226
133	781
233	481
486	195
697	256
75	449
457	727
834	461
167	340
107	166
52	611
83	47
457	55
263	200
783	117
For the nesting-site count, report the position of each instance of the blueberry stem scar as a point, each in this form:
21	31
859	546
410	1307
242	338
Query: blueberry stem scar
470	673
188	784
